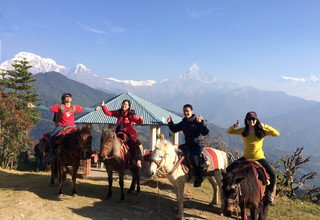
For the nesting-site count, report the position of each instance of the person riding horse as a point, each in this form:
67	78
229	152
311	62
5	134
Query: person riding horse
193	126
125	119
253	135
63	117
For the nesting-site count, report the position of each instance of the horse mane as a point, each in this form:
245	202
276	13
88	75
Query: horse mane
249	186
108	134
165	146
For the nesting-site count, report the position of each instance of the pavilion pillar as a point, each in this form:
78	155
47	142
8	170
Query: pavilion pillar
175	138
153	136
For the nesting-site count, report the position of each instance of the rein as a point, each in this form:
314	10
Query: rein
174	168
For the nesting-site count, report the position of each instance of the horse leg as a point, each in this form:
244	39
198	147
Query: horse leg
74	177
133	181
214	185
218	177
180	196
121	184
53	170
243	212
63	178
253	213
138	174
110	183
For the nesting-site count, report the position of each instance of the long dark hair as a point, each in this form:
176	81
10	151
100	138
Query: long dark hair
258	129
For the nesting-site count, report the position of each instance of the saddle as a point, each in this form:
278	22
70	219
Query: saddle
61	134
259	171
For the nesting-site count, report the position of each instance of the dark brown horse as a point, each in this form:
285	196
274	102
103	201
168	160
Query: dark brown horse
43	148
243	188
115	156
74	147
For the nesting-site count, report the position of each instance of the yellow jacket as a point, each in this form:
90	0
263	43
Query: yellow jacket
253	144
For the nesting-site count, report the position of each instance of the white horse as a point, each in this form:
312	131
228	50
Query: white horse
166	160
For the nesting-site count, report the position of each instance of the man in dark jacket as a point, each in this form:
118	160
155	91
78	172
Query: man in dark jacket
193	127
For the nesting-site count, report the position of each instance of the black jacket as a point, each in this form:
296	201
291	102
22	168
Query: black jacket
192	129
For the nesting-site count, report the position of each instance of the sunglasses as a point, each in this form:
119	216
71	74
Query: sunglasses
251	119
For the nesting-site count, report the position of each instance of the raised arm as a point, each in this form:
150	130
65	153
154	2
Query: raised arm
270	131
105	110
232	129
136	120
174	127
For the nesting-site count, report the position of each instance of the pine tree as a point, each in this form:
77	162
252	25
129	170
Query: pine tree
20	83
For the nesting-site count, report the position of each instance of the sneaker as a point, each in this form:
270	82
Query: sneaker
270	198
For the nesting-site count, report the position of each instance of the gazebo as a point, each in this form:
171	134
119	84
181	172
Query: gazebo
153	115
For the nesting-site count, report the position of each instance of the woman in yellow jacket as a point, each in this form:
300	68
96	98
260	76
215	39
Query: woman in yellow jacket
253	135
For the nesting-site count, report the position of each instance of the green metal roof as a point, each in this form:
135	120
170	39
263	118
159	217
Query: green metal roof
152	114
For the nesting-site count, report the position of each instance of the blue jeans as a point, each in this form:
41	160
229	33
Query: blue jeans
53	134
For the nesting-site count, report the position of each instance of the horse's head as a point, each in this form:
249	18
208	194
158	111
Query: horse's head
108	141
85	140
231	191
162	157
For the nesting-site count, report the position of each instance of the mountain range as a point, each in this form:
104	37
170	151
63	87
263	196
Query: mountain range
220	102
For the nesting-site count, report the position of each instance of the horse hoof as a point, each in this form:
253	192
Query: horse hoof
122	198
138	191
74	194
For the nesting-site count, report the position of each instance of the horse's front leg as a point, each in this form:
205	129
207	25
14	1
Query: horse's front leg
180	197
53	170
133	181
74	178
121	184
63	174
110	183
253	213
243	212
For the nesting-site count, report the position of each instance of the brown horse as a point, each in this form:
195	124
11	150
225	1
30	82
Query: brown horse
115	156
43	148
74	147
243	188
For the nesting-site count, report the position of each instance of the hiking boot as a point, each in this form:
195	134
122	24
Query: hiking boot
197	182
270	198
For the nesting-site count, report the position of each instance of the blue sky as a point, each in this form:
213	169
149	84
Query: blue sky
243	41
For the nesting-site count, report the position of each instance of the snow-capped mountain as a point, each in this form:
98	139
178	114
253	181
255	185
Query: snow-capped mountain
38	63
194	72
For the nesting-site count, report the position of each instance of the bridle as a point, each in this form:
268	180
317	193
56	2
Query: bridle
235	201
160	163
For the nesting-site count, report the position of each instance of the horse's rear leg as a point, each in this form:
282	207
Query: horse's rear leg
74	178
110	183
121	184
214	185
138	174
180	197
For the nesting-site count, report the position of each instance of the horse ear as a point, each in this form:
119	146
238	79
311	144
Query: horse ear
238	179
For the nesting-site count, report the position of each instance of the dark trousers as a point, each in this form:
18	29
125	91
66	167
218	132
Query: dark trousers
193	154
265	164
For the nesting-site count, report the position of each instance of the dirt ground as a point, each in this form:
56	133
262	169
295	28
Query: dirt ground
28	195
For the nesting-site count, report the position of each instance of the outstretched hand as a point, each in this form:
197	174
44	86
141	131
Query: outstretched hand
102	103
141	117
98	108
169	119
30	105
237	124
199	118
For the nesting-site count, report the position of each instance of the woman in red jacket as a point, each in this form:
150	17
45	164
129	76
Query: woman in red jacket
125	120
